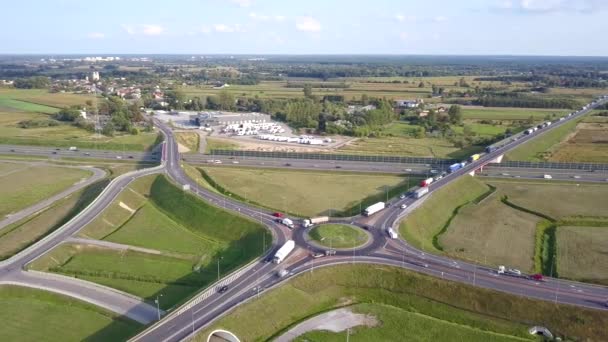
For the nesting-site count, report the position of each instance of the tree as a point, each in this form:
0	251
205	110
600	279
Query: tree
421	84
364	99
67	114
226	100
308	90
455	114
420	132
108	129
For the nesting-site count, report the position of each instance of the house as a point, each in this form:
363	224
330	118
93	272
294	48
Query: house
408	103
423	113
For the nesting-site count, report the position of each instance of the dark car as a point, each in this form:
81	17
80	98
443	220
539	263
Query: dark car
54	152
287	164
223	289
338	167
130	157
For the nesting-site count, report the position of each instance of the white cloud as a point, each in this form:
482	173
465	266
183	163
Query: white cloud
146	29
404	18
439	19
96	35
308	24
242	3
279	17
551	6
205	29
152	30
262	17
223	28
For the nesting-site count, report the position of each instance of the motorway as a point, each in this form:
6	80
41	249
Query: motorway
198	313
260	276
57	153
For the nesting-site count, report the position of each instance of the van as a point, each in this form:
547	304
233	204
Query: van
547	177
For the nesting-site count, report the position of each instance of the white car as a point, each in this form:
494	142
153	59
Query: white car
403	206
402	196
218	161
547	177
118	157
514	271
235	162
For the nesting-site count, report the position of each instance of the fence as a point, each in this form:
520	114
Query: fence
336	157
553	165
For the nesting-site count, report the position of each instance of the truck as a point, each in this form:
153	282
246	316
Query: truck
287	222
391	233
426	182
314	220
284	251
490	149
73	148
456	167
421	192
474	157
374	208
528	131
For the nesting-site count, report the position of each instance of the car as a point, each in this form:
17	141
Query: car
434	171
54	152
12	150
403	206
330	252
287	164
317	255
514	271
402	196
505	174
235	162
407	170
576	177
218	162
130	157
223	289
547	177
537	277
118	157
367	227
338	167
57	149
87	154
277	214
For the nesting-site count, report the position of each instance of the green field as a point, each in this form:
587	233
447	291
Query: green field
21	234
40	100
35	315
421	226
338	236
505	113
189	140
582	253
220	144
410	147
406	298
22	185
189	236
308	193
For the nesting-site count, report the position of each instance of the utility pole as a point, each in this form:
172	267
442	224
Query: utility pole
158	305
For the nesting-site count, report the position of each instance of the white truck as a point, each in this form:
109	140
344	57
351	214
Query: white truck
374	208
73	148
309	222
284	251
392	233
421	192
287	222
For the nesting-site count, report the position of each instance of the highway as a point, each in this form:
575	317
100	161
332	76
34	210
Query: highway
200	312
57	153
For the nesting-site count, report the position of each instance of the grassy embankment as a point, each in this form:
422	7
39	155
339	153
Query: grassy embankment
401	299
35	315
338	236
187	238
306	193
189	140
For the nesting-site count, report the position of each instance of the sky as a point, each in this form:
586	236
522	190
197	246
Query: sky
438	27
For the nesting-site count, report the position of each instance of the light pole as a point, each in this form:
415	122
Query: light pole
158	304
218	268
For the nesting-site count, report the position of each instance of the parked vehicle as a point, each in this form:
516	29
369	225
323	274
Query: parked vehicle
426	182
284	251
421	192
374	208
314	220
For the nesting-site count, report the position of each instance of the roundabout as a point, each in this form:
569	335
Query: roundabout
338	236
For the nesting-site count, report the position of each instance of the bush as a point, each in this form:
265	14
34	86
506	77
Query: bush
37	123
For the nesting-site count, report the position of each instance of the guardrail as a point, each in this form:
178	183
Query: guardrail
552	165
336	157
77	216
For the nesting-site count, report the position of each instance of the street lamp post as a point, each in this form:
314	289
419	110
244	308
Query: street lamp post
158	304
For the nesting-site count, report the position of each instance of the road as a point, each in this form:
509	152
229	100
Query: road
57	153
98	174
200	312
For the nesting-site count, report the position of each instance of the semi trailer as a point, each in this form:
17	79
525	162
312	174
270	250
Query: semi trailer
374	208
284	251
314	220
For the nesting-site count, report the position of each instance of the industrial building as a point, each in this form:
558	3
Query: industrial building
208	119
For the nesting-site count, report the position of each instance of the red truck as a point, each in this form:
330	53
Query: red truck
426	182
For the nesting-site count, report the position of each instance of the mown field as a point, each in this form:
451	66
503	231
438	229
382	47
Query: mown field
411	147
529	222
187	238
338	236
22	185
46	102
307	193
189	140
507	113
402	299
588	143
35	315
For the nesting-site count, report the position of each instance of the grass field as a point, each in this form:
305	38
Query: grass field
22	185
21	234
402	324
35	315
506	113
338	236
411	147
438	305
489	232
582	253
306	193
189	140
539	148
421	226
191	236
220	144
589	143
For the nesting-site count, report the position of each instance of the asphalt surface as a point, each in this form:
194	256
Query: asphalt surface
183	324
97	175
58	153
